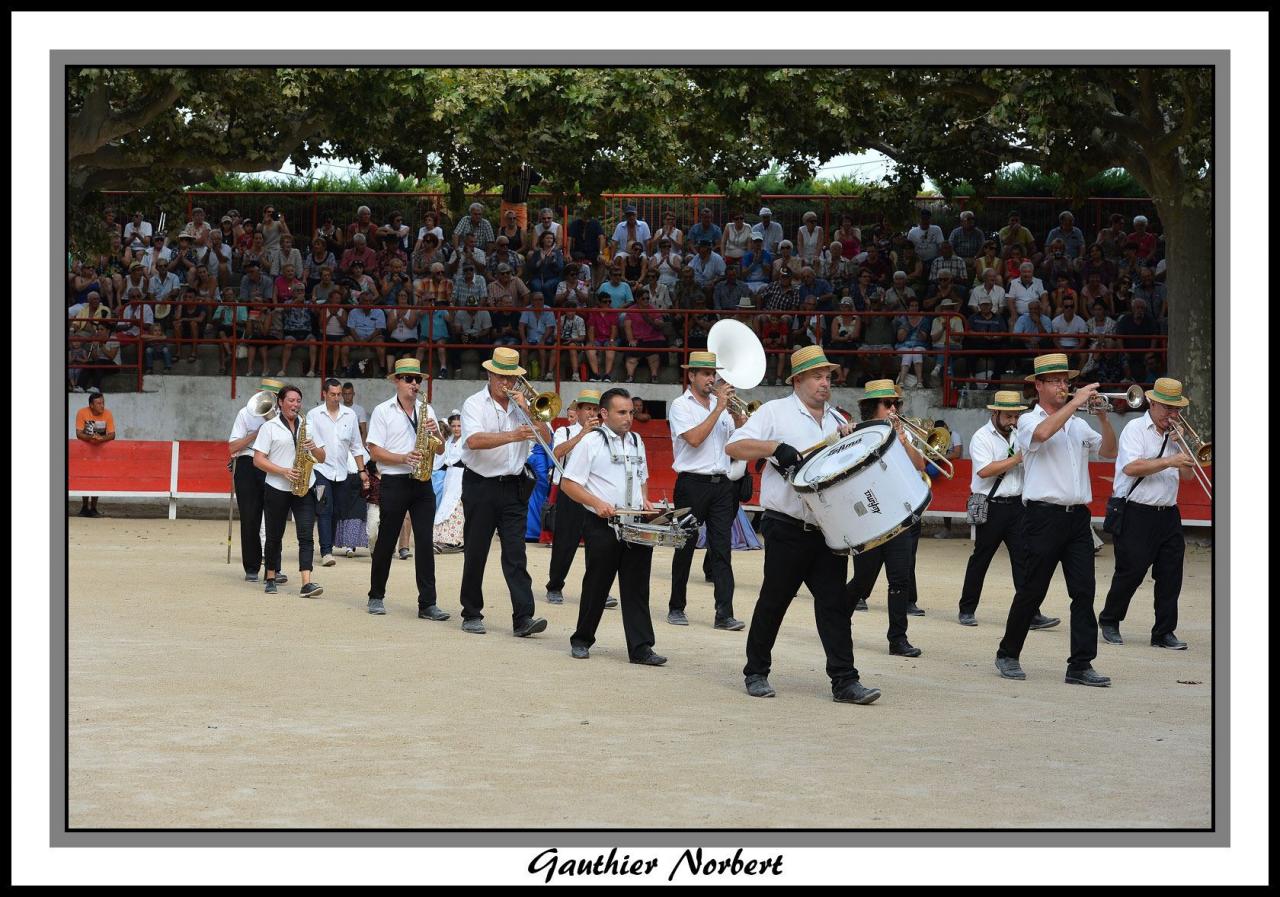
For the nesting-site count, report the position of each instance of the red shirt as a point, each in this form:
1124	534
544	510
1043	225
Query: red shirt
643	326
1146	244
602	322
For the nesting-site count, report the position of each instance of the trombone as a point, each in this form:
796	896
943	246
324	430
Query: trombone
1101	401
1201	452
545	406
930	441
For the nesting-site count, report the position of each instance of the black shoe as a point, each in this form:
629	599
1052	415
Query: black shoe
861	605
904	648
1110	634
271	587
651	659
432	613
1087	676
1042	622
281	579
968	619
475	627
93	512
579	652
854	693
529	627
759	687
251	577
312	590
913	610
1168	640
677	618
1010	668
730	624
555	596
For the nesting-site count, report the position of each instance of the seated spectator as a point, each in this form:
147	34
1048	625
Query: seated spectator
435	287
503	254
101	351
643	336
1062	292
707	266
137	232
834	268
861	291
1069	331
634	264
1135	330
284	254
775	336
810	238
736	240
781	295
617	289
365	325
1021	290
573	336
769	230
197	228
136	279
1131	264
506	284
474	327
947	332
842	339
389	251
757	265
879	266
967	240
1144	239
914	336
436	325
666	262
1056	264
1102	366
1111	239
364	226
878	336
729	292
704	229
397	228
162	283
469	287
946	289
629	230
228	319
701	320
96	426
673	234
987	331
849	238
393	282
1014	234
639	413
1094	291
430	251
333	236
913	265
927	239
1096	263
297	324
318	262
1071	236
538	328
947	260
283	284
1013	266
807	328
192	314
1154	294
586	238
359	252
602	332
546	223
989	291
476	225
185	259
897	296
506	323
576	285
331	307
545	266
1034	332
989	257
786	261
509	235
469	253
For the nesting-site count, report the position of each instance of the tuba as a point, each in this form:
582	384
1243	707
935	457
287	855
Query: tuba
425	444
740	357
262	404
303	460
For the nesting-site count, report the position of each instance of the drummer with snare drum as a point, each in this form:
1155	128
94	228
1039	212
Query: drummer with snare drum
795	551
608	475
882	399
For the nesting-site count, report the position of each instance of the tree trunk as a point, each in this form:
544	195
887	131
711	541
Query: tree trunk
1189	281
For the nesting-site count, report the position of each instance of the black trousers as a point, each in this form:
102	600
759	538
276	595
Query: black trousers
276	505
716	505
897	557
1003	526
564	540
494	504
1053	535
795	557
1151	539
609	557
401	494
913	596
249	484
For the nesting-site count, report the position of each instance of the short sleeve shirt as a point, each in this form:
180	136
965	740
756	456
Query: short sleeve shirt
1057	470
280	445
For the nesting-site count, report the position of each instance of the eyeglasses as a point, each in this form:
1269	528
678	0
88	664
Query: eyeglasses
891	403
408	379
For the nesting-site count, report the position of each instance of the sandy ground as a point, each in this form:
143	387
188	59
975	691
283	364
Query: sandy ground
196	700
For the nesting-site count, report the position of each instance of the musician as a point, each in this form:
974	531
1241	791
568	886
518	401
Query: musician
584	416
700	427
340	427
1055	447
249	483
393	444
881	399
606	474
498	434
795	552
996	460
275	453
1150	462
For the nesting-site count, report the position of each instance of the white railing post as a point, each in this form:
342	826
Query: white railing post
173	483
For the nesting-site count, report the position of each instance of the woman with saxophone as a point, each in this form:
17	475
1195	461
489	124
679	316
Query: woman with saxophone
287	454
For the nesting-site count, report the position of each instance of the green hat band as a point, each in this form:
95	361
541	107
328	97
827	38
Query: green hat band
1051	368
816	362
1010	405
504	367
1165	398
881	394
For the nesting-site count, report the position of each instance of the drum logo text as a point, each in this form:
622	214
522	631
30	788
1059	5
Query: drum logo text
872	501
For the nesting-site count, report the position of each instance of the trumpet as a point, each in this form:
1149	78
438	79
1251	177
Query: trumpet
739	408
1201	452
930	441
1101	401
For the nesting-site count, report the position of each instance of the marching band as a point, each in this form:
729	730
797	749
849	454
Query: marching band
830	487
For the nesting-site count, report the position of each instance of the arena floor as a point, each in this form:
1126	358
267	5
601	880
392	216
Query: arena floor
197	701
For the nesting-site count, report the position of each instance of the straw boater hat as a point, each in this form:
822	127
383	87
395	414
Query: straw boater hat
1051	364
406	366
810	358
505	362
270	385
588	397
1007	400
1168	391
701	361
882	389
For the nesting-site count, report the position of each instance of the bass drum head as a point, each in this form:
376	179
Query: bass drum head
863	446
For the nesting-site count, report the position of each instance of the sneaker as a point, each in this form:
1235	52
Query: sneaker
759	687
610	601
577	379
913	610
281	579
968	619
443	374
531	626
279	373
677	618
854	693
431	612
556	597
650	658
731	624
251	577
351	552
405	554
271	587
375	606
473	626
1040	621
327	561
579	651
1087	676
1010	668
606	379
312	590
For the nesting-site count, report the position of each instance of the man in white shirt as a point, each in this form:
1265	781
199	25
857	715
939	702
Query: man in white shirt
498	435
701	425
926	237
1150	462
606	474
393	443
795	552
988	291
1055	447
629	230
1069	328
349	399
249	482
1023	291
341	431
584	416
769	230
997	474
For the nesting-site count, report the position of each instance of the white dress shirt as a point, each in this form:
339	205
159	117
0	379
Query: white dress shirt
686	413
611	467
1057	470
558	438
1140	441
390	429
245	424
987	447
277	441
481	414
341	435
787	420
1019	294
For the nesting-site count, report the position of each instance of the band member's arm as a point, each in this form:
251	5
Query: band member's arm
261	462
1004	465
579	493
384	457
544	428
239	445
1056	421
563	449
1108	450
917	459
751	449
480	441
695	436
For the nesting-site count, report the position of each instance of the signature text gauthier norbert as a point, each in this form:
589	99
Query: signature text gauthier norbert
550	864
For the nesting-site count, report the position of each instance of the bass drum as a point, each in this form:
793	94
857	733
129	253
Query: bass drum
863	490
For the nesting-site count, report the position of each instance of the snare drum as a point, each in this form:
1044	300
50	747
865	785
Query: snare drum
863	490
654	535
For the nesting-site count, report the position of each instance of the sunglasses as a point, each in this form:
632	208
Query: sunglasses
409	379
891	403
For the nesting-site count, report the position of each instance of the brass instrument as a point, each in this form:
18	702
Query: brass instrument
425	443
303	460
1101	401
262	404
1201	452
545	407
930	441
740	357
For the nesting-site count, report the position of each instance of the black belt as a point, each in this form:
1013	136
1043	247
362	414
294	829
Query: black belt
792	521
506	478
1147	507
1048	505
1006	500
704	477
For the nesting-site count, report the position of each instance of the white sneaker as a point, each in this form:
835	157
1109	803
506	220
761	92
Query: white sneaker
351	552
311	374
577	379
937	371
327	561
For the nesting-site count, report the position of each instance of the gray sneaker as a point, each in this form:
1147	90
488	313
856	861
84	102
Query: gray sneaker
610	601
677	618
759	687
473	626
854	693
968	619
731	624
375	606
1010	668
556	597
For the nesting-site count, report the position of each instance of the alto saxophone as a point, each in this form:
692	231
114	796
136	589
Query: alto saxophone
303	460
425	445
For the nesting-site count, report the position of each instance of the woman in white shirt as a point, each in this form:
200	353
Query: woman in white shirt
809	238
668	231
449	518
736	241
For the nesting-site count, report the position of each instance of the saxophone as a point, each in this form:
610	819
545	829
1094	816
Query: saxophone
303	460
424	445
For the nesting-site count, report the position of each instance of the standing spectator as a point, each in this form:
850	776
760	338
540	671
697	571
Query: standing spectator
669	231
96	426
545	266
538	328
1014	234
757	265
810	238
1137	327
1071	236
927	238
1069	330
769	229
736	241
629	230
705	229
731	290
1145	240
967	240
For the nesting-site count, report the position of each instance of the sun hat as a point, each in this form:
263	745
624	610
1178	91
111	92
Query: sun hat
882	389
270	385
505	362
745	302
809	358
1055	363
1007	400
588	397
406	367
705	361
765	211
1168	391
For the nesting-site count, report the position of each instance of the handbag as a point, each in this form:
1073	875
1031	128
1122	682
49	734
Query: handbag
1113	520
527	483
977	506
549	511
746	487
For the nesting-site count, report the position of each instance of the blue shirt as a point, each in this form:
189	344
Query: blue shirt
1024	324
619	296
706	272
698	233
1073	240
536	326
757	270
363	322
